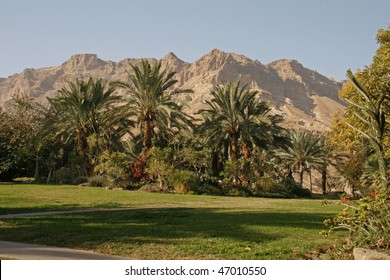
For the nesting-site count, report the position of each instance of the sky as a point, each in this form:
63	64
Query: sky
329	36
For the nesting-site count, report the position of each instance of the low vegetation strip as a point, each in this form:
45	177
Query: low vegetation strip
167	226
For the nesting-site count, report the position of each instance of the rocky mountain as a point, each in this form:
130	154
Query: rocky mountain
304	97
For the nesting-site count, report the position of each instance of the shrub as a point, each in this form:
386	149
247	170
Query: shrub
367	220
280	189
267	187
295	188
114	166
98	181
66	175
184	181
237	190
208	188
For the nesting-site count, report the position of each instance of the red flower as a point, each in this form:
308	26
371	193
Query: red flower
138	168
372	194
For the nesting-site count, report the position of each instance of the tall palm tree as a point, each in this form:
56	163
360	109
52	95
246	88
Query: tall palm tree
304	153
149	95
88	108
372	113
225	115
233	114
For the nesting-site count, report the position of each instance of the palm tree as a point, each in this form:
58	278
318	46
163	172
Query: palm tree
234	116
85	109
303	153
149	97
372	113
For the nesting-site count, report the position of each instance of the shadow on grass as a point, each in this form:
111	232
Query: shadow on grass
158	225
34	209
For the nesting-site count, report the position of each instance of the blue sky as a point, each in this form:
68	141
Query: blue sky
329	36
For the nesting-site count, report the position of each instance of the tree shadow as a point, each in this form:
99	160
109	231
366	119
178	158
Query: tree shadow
164	225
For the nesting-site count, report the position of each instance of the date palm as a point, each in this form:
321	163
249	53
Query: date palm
149	95
235	116
87	108
303	153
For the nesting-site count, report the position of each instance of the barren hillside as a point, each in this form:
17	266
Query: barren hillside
305	97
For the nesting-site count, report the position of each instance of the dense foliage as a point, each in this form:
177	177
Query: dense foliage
366	124
137	133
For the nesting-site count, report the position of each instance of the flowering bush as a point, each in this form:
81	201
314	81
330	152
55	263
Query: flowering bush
367	220
138	168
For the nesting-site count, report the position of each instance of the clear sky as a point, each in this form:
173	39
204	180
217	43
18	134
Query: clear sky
329	36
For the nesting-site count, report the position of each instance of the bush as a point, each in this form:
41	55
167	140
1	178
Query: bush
184	181
208	188
295	188
237	190
267	187
114	166
66	175
153	187
98	181
367	220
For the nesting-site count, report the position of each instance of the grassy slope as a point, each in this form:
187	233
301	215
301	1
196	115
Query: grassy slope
166	226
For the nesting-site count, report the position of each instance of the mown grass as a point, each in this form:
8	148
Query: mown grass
166	226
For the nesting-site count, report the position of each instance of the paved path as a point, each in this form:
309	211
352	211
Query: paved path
25	251
47	213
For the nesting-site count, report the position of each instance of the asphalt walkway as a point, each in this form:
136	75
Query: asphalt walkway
24	251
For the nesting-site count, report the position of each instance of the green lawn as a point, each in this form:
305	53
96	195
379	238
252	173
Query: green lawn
166	226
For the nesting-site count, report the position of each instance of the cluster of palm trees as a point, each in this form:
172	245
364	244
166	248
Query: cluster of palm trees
89	117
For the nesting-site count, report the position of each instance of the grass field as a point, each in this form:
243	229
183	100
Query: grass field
167	226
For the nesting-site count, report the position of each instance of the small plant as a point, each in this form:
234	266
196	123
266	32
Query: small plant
65	175
159	166
98	181
184	181
367	220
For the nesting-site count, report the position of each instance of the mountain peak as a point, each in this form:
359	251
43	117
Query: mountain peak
171	58
301	94
171	55
82	60
173	62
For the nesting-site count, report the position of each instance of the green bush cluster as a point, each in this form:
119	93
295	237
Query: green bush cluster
184	181
367	220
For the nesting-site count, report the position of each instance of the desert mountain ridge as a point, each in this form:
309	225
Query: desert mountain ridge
303	96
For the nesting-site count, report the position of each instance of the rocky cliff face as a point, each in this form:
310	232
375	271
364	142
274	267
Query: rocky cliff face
306	98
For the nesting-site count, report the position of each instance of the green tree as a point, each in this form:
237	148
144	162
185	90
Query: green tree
21	139
304	153
235	116
160	166
149	96
88	117
8	148
367	94
372	112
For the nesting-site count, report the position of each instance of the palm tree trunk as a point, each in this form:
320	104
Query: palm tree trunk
80	144
246	165
148	133
324	176
234	146
36	174
215	163
301	178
